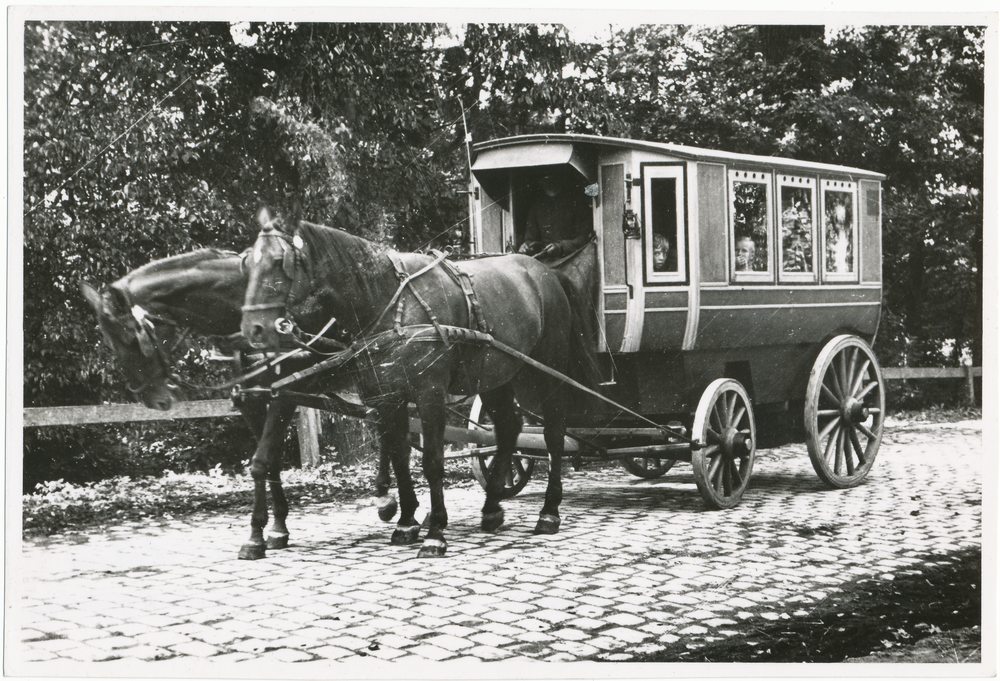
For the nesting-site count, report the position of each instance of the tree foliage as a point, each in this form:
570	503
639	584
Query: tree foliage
145	139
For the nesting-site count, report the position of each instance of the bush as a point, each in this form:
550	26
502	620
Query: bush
83	454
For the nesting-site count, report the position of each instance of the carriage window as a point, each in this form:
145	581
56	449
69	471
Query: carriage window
797	201
664	247
750	212
840	232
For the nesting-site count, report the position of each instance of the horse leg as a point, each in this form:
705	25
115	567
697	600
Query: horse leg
393	425
432	417
506	427
554	431
386	500
279	413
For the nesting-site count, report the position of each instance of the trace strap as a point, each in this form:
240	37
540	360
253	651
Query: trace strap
427	332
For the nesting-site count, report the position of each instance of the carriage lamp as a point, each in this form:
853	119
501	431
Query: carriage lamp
630	224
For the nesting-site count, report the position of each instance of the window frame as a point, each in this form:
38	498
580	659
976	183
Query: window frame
798	182
751	176
845	187
677	172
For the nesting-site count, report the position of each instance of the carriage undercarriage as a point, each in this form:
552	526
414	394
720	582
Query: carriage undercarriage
842	417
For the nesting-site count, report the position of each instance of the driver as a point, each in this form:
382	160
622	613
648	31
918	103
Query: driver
557	224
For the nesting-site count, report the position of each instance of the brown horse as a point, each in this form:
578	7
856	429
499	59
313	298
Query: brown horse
425	338
139	316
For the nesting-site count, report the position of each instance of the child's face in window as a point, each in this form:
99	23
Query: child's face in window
745	251
661	249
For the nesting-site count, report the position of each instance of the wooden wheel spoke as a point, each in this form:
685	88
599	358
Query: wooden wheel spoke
715	466
741	411
833	437
838	465
712	435
841	368
867	389
829	394
830	426
858	449
715	419
860	376
851	366
735	472
864	429
731	408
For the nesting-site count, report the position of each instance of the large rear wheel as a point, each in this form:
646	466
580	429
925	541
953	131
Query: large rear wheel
724	425
844	412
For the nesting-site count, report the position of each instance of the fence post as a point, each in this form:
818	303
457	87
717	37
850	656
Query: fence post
309	429
970	384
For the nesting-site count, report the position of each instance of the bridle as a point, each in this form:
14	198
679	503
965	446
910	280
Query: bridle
141	324
282	324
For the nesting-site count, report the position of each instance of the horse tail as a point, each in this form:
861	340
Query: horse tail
583	365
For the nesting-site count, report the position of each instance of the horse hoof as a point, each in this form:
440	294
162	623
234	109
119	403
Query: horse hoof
405	535
492	521
547	524
432	548
251	551
277	541
387	508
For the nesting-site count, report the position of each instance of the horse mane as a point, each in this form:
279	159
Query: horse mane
334	251
171	263
159	282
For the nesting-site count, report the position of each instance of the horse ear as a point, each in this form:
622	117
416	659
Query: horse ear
92	296
264	217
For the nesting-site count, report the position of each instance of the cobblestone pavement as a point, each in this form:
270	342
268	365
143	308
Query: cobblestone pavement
637	564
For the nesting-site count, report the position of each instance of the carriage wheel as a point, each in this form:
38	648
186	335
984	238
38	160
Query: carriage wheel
520	468
725	427
844	412
648	467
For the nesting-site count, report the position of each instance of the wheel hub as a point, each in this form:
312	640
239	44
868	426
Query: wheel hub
854	410
736	443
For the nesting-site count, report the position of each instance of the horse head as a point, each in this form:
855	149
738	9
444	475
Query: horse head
132	336
273	264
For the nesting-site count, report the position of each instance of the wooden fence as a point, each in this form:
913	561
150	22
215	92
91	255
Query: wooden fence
308	421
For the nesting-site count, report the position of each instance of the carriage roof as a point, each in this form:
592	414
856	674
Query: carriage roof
527	151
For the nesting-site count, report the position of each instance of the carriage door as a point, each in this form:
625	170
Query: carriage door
660	269
613	247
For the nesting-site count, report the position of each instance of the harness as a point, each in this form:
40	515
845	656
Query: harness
432	332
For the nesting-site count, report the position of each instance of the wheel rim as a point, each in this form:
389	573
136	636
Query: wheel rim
725	426
845	408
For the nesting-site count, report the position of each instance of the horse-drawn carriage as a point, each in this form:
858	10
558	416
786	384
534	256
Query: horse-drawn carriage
705	339
714	288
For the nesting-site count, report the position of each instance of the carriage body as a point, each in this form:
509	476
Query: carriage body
666	335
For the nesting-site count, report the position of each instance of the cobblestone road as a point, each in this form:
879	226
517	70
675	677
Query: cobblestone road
637	564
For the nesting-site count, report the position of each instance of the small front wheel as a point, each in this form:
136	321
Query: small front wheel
725	429
520	467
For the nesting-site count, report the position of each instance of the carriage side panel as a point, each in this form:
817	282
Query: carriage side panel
492	223
712	221
871	231
613	245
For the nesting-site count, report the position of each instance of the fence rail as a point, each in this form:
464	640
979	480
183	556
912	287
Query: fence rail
201	409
